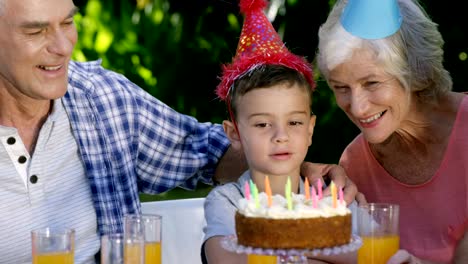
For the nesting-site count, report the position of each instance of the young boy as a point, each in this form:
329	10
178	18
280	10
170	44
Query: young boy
273	125
268	93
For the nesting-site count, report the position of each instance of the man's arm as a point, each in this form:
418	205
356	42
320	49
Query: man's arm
230	166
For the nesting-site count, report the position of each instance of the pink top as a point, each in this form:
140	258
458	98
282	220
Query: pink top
433	215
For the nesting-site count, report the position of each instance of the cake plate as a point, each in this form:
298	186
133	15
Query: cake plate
291	255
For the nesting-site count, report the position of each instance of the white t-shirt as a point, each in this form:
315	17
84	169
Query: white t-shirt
46	190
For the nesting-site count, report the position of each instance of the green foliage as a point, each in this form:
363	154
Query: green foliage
173	51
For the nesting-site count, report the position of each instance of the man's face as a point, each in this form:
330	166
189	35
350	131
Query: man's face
36	39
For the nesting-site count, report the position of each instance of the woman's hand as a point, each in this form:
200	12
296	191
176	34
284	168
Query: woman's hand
402	256
361	199
314	171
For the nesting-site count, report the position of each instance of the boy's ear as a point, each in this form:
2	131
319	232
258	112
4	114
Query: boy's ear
232	134
311	127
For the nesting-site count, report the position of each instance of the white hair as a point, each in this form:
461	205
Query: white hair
413	55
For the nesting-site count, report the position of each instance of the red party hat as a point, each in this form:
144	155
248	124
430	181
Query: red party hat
259	44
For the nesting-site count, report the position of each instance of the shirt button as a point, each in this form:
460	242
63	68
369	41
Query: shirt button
22	159
33	179
11	140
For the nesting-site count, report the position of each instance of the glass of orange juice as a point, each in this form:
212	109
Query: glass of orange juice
152	230
261	259
378	225
53	245
146	227
134	246
112	248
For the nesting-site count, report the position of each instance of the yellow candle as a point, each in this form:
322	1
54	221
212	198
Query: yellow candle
268	190
333	192
288	193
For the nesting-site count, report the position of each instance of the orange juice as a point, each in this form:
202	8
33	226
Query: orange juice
133	254
58	258
377	250
261	259
153	252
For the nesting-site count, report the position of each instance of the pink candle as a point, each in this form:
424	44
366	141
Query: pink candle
268	191
247	190
319	188
314	197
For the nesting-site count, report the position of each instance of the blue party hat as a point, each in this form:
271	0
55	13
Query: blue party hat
371	19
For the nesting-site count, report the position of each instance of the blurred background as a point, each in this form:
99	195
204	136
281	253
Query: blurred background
174	49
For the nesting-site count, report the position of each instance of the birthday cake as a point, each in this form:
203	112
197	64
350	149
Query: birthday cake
296	222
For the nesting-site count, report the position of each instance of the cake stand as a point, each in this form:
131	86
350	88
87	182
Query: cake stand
291	255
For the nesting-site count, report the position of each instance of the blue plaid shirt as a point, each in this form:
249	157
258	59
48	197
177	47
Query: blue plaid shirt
131	142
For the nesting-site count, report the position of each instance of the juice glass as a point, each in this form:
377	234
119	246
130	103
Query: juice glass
146	227
134	246
153	252
112	247
53	245
152	230
261	259
378	227
116	249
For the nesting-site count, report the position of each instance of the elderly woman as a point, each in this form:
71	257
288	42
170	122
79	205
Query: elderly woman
384	65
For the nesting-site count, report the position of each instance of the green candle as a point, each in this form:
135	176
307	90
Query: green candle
251	185
287	192
255	195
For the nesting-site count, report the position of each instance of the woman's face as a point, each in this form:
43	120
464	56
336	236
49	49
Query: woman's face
374	100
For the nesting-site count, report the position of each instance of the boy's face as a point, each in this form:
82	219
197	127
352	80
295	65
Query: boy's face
276	127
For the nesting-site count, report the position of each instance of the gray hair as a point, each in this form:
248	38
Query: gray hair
413	55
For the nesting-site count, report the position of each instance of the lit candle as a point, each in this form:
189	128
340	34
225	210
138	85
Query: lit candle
247	190
333	193
307	189
255	195
268	190
319	188
314	197
341	196
287	192
251	185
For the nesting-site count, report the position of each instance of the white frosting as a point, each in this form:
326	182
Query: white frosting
300	207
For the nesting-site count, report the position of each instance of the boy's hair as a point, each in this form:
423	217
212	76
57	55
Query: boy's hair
266	76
